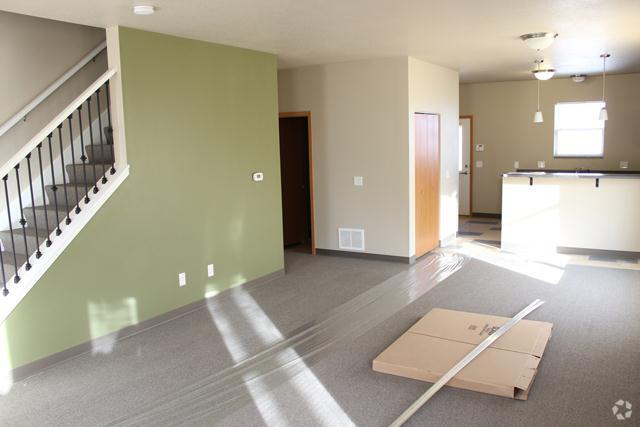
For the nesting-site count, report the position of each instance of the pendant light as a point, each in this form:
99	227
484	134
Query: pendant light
543	74
537	117
603	112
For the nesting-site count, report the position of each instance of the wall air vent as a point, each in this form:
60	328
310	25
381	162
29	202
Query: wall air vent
351	239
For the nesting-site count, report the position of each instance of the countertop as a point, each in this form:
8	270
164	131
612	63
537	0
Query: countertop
575	174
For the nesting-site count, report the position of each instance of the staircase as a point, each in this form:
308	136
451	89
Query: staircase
53	186
40	220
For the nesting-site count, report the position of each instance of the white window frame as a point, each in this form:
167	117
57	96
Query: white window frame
555	134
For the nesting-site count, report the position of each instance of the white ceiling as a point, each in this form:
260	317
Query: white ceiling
477	37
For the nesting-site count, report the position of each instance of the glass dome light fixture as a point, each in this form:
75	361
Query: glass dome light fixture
542	74
578	78
538	41
604	115
144	9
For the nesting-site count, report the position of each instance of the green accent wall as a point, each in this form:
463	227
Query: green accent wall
200	118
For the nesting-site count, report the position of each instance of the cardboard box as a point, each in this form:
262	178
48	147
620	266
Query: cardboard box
443	337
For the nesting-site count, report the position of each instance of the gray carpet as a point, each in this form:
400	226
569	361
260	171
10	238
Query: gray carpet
591	361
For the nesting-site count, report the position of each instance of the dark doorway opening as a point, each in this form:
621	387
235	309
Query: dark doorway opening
296	181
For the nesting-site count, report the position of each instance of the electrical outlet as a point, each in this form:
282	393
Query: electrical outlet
210	270
516	165
479	164
182	279
624	164
541	164
358	181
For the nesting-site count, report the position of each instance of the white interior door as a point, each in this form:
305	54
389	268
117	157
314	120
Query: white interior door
464	185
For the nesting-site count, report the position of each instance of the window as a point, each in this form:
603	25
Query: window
578	132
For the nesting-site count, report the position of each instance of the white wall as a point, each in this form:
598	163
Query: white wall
362	114
434	89
359	111
35	52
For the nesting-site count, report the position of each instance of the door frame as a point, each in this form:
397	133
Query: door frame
415	228
307	114
471	161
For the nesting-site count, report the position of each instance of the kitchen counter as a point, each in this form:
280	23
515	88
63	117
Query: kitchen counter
578	212
575	174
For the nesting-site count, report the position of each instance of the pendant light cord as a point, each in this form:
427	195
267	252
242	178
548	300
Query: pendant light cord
604	73
538	67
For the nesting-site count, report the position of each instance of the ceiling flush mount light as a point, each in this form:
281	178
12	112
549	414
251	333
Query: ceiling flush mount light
578	78
603	112
538	41
537	117
144	9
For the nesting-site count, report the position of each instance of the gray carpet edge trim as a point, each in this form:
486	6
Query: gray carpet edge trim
469	233
597	252
23	372
366	255
486	215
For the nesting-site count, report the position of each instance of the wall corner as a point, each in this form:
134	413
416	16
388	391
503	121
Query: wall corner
115	92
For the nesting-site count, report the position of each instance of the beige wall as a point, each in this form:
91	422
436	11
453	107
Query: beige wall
434	89
35	52
359	112
503	114
362	114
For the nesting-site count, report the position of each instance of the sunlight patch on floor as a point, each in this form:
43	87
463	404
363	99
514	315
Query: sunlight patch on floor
316	398
548	268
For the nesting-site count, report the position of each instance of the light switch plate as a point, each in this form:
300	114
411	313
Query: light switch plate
210	270
479	163
624	164
358	181
479	147
516	165
182	279
541	164
257	176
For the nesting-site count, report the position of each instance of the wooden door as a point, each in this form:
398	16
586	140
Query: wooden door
427	158
294	172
